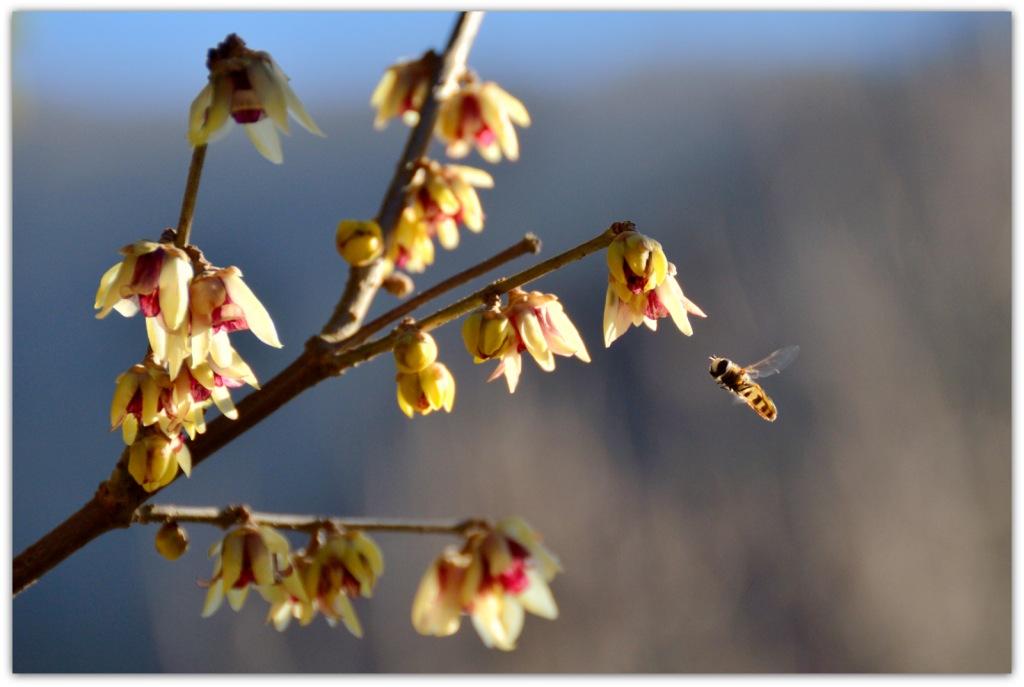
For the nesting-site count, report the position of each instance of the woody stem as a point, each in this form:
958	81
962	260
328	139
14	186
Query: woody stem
188	200
237	515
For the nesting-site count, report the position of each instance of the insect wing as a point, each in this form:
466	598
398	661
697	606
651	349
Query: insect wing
773	364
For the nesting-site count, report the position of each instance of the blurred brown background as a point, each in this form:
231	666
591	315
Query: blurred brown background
852	200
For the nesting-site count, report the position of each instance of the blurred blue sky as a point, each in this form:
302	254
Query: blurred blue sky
81	46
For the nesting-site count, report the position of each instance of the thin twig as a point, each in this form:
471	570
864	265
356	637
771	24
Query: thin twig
363	282
188	200
352	357
237	515
528	244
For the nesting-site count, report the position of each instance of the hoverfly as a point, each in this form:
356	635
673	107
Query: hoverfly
739	380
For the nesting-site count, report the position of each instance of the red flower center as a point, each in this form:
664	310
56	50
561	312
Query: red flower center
655	309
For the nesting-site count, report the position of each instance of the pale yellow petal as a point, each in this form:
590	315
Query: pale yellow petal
185	460
671	299
214	597
129	429
294	104
231	557
222	398
197	113
264	138
537	597
261	560
236	598
343	607
270	95
448	234
175	276
256	316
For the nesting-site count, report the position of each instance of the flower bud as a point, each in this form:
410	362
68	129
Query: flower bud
398	284
486	333
154	459
359	242
414	351
171	541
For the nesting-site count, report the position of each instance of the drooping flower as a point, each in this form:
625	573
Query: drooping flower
359	242
411	248
250	555
443	196
171	541
541	327
481	115
642	288
220	302
154	459
344	565
248	87
401	92
154	278
494	578
287	597
423	392
486	333
137	396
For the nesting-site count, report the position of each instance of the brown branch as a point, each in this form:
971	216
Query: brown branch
363	282
117	498
237	515
188	200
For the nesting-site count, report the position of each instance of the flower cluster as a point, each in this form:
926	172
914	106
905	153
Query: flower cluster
440	197
477	114
531	321
424	385
191	363
248	87
335	567
642	288
497	576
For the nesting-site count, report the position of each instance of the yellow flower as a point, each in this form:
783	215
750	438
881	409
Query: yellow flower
423	392
402	91
486	333
360	243
248	555
414	350
154	459
220	302
248	87
647	307
287	596
541	327
481	115
136	400
344	565
496	577
411	248
171	541
152	277
636	264
443	196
